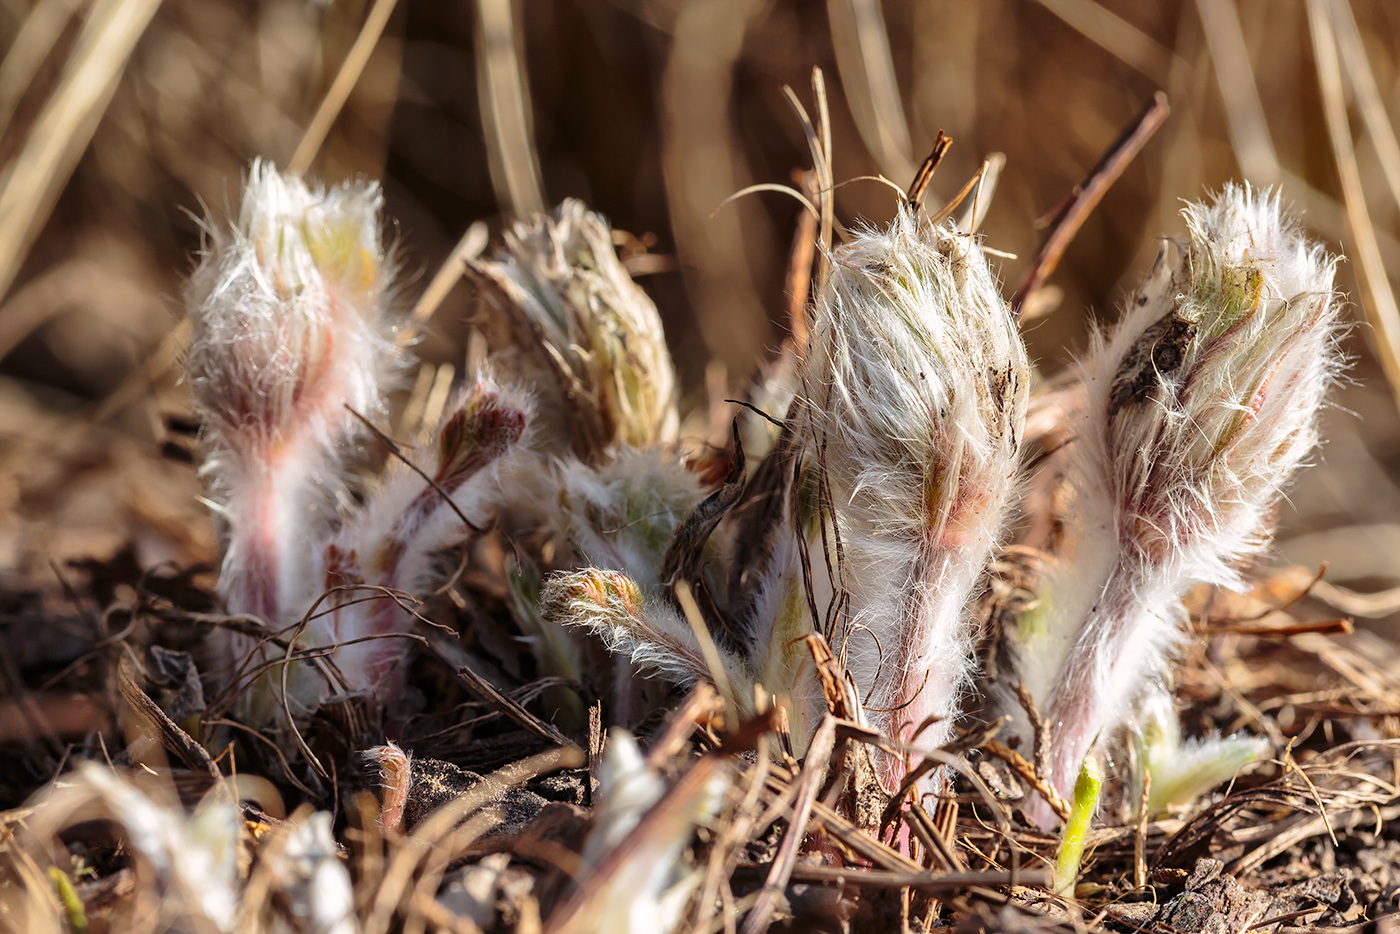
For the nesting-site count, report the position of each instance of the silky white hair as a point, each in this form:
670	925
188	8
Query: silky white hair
293	327
1200	407
913	398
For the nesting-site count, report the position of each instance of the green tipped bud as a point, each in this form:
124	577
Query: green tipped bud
567	317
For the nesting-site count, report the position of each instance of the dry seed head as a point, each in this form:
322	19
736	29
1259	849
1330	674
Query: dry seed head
570	321
1199	409
914	387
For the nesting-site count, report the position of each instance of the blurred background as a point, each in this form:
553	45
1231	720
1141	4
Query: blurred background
122	122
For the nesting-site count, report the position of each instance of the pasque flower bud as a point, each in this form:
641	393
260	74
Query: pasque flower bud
913	398
1200	407
293	346
565	318
292	330
394	544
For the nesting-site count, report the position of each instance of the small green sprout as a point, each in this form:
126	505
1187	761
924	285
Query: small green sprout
1081	816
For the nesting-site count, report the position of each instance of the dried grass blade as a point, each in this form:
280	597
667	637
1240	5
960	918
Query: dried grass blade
31	46
975	213
1087	196
441	829
468	248
505	107
576	915
1380	307
1249	130
1117	36
1367	95
66	125
339	92
808	784
863	60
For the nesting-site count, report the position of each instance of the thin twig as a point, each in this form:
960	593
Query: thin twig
1086	197
339	92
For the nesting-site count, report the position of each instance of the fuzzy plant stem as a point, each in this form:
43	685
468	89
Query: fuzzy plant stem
914	391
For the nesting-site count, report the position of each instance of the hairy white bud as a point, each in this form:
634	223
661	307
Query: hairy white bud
569	321
1199	409
289	307
914	391
621	514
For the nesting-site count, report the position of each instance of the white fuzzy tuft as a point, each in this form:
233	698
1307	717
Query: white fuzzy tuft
621	514
914	390
1200	407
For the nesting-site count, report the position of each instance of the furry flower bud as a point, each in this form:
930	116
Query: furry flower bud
1198	410
632	623
566	317
292	330
290	318
622	514
914	390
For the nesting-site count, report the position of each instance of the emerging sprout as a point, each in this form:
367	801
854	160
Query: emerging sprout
1180	771
390	551
1199	409
914	391
649	890
1081	814
568	320
292	348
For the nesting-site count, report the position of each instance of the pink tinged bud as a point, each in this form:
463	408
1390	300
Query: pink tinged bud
914	388
394	543
290	318
628	620
1200	408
